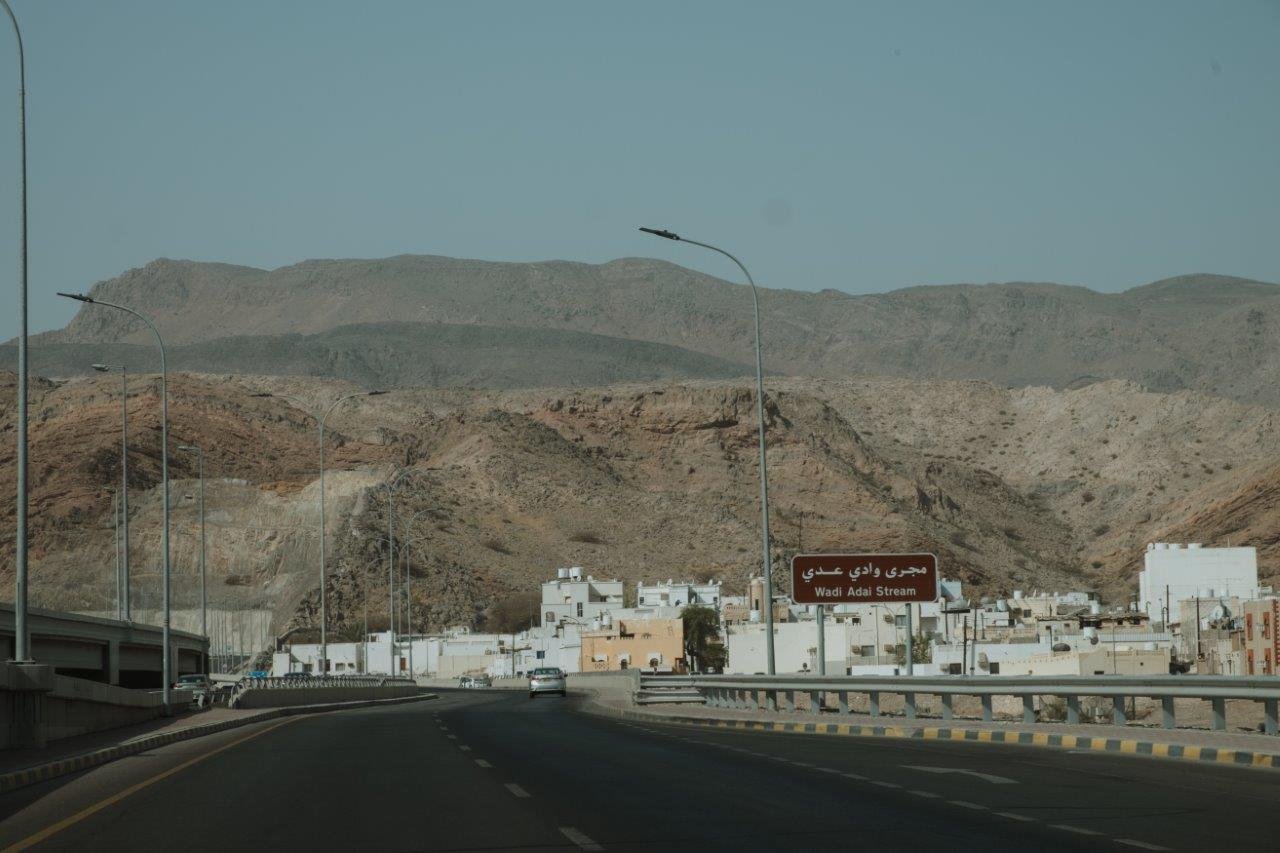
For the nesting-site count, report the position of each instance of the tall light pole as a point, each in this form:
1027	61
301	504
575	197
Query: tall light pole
408	584
115	523
391	559
764	473
320	419
126	613
21	635
204	601
164	476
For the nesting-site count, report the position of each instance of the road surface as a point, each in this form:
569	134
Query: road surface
492	770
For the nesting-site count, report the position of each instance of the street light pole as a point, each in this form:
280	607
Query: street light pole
21	634
764	474
204	610
164	476
320	419
127	612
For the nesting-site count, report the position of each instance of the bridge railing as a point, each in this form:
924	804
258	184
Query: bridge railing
774	693
310	682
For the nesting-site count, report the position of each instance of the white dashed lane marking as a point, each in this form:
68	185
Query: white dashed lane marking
965	804
924	794
1078	830
885	784
579	838
1141	845
517	790
464	747
483	763
1020	817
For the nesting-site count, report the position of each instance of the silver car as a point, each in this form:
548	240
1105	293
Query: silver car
546	679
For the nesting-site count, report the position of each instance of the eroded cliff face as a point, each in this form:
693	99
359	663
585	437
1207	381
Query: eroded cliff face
1019	488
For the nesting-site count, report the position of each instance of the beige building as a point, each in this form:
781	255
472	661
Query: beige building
647	644
1099	661
1262	636
735	614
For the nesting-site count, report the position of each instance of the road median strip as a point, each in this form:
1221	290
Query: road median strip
36	774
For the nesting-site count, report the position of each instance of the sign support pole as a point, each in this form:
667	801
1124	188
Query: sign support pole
822	640
910	660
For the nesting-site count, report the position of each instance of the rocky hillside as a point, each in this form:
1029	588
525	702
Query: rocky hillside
1013	488
1213	334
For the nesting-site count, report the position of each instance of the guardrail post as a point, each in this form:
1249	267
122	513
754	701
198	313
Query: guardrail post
1118	717
1073	710
1169	716
987	716
1219	714
771	700
947	711
873	699
909	703
788	702
815	701
1269	716
843	699
1028	709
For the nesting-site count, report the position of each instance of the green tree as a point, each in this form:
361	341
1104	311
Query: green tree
921	650
702	649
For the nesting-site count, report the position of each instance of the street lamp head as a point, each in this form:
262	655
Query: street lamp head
189	448
375	393
661	232
101	368
78	297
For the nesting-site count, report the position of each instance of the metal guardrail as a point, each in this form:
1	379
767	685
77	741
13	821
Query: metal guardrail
296	683
773	693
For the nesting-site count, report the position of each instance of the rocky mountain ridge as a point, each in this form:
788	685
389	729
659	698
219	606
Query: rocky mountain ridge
1208	333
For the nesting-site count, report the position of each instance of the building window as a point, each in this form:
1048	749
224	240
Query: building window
551	617
579	609
855	620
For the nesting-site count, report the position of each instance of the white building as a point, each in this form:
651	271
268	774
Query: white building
1174	572
678	594
571	598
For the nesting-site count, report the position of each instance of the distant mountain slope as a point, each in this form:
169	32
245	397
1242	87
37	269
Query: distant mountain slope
1202	332
404	354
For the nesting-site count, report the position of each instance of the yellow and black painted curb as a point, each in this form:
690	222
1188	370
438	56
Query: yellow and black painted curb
1214	755
94	758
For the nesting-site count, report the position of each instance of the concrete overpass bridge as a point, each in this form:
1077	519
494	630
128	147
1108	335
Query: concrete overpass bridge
104	650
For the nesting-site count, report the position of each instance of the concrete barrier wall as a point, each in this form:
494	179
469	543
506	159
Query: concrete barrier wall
288	697
37	706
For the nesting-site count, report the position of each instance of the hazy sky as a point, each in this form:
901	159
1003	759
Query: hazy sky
857	146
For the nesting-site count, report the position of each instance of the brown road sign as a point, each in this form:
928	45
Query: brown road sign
863	578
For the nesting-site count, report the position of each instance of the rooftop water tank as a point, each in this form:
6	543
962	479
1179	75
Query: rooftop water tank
1017	595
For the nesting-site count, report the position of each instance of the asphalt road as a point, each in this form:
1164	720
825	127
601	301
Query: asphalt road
482	770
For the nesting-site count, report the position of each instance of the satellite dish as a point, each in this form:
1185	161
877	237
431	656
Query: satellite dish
984	662
1062	647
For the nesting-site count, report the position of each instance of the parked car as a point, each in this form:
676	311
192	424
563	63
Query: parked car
193	681
546	679
465	681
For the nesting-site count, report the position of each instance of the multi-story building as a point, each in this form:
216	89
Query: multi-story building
679	594
1261	637
573	599
648	644
1174	572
